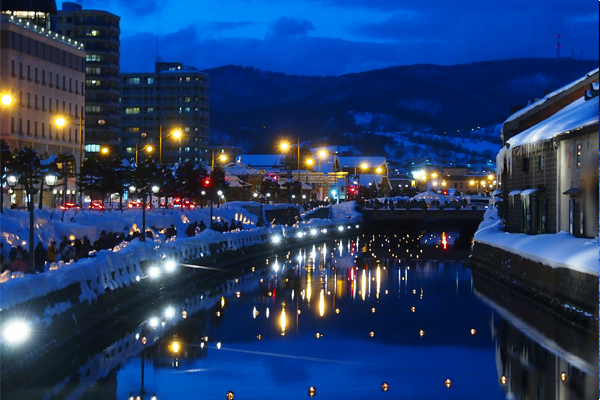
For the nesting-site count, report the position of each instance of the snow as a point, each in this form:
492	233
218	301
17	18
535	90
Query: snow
95	274
575	116
430	196
558	250
549	96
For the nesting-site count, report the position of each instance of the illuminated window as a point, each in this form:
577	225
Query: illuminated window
94	57
149	81
133	81
92	82
92	148
132	110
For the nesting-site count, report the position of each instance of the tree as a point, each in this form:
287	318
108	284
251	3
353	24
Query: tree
188	181
218	180
269	186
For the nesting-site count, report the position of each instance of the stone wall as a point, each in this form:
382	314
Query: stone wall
561	288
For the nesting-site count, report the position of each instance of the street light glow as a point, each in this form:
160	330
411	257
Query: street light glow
60	121
17	331
6	99
170	265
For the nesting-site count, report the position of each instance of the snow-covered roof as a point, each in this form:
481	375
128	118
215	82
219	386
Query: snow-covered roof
261	160
527	192
351	162
576	115
366	179
549	96
430	196
239	169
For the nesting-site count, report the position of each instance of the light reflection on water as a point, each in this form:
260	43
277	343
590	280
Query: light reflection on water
344	345
381	319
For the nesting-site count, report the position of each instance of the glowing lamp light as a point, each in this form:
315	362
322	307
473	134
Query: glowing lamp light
413	309
218	345
170	265
17	332
385	387
421	333
229	395
448	383
341	228
563	376
175	347
313	232
154	272
312	391
153	322
6	99
144	340
319	335
503	380
473	331
169	312
372	334
276	239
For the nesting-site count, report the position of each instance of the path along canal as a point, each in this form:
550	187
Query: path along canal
374	316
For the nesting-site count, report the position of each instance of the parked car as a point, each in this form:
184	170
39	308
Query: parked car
69	206
183	203
97	205
138	204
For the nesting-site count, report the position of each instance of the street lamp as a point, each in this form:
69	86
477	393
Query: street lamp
155	189
222	158
61	122
148	148
285	146
28	180
175	133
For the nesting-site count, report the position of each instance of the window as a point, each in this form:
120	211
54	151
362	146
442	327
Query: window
43	129
149	109
50	104
541	162
50	78
578	155
71	85
133	81
93	109
92	32
20	70
132	110
12	67
35	101
93	70
149	81
525	164
64	83
94	58
92	82
57	78
29	72
132	129
43	77
35	75
92	148
43	103
28	100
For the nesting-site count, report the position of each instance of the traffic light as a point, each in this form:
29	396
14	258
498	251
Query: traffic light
207	182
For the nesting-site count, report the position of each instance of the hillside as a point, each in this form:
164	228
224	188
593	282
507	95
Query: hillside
247	104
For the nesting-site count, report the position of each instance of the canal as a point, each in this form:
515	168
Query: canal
374	316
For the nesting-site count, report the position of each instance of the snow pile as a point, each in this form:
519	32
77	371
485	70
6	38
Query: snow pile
120	267
558	250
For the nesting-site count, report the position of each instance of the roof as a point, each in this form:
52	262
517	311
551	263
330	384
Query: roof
261	160
239	169
549	96
576	115
47	6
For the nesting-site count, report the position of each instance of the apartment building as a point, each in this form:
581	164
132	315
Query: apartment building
156	105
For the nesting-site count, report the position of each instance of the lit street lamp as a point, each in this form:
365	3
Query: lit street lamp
176	134
146	148
28	179
222	158
61	122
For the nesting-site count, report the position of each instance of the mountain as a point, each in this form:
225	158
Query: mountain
255	108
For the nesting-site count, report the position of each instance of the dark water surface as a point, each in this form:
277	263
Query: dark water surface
345	318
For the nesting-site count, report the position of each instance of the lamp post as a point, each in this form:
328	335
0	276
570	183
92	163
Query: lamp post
61	122
155	189
222	158
147	148
6	100
285	146
28	179
176	134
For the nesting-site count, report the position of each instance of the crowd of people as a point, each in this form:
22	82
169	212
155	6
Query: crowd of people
390	204
70	249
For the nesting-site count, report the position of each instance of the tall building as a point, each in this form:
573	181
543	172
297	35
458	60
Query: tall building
99	31
44	74
155	105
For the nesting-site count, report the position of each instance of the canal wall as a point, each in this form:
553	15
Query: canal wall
570	293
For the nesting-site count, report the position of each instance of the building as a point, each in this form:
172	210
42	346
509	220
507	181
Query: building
44	73
99	31
155	105
548	165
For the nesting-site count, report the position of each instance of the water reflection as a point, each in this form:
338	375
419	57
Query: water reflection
414	324
538	355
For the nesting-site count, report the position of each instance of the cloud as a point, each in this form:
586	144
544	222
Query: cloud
122	7
285	28
228	25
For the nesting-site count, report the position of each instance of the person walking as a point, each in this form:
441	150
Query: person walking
41	256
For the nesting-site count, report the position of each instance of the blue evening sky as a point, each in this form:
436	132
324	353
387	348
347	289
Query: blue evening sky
334	37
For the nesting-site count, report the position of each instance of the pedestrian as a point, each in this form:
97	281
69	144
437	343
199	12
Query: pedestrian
52	252
41	256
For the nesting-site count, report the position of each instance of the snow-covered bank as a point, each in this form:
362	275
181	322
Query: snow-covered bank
119	267
559	250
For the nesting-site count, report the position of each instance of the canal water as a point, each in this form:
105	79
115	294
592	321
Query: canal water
375	316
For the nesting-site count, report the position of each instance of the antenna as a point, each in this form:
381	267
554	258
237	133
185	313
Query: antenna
558	45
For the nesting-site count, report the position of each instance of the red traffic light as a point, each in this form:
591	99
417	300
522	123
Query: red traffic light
207	182
352	189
